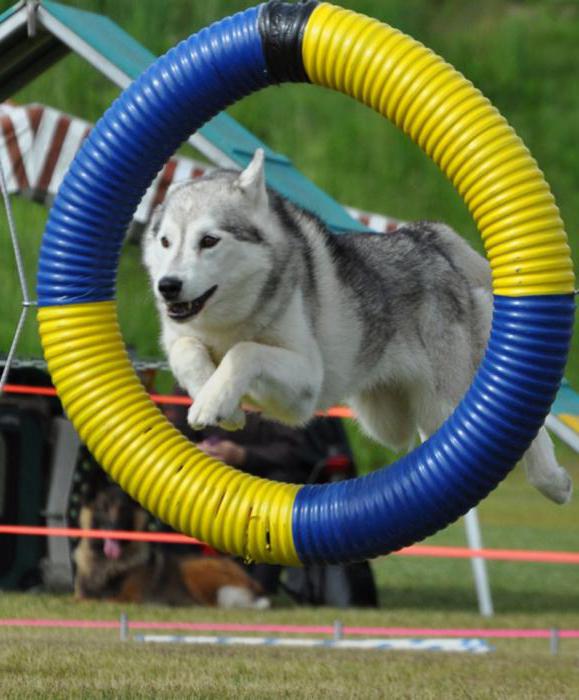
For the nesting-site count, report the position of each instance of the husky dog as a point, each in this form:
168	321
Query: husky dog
259	300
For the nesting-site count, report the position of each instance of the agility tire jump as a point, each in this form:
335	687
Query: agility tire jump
472	144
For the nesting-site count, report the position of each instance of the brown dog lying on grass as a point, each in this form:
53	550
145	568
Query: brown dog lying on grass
140	572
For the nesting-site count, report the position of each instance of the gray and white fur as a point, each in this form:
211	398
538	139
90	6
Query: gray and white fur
259	301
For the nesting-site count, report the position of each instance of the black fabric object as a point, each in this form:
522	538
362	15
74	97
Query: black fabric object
296	455
282	26
24	434
273	451
334	585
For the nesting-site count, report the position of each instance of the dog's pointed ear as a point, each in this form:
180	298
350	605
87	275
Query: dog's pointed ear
154	222
155	218
251	181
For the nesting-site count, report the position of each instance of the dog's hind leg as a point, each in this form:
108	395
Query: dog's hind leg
386	414
543	470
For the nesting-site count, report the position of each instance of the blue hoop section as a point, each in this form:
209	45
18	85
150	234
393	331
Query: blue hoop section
425	491
130	144
465	460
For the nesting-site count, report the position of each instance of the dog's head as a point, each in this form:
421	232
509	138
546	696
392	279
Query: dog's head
208	248
112	509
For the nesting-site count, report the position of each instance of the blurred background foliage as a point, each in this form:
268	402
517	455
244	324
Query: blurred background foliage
521	54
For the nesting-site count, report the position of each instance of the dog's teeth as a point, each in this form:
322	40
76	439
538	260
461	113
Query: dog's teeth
182	310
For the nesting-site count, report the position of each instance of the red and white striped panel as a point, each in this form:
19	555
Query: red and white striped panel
38	144
377	222
176	169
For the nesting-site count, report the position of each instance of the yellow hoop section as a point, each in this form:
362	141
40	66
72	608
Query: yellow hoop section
146	455
461	131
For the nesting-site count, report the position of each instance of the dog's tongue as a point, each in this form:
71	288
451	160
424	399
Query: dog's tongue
112	549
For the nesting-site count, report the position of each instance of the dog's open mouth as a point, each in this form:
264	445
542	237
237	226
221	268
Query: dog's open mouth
112	549
183	310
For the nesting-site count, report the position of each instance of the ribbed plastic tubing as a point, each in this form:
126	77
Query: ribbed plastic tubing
501	184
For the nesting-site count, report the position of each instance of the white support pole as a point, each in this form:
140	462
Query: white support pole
57	570
26	301
479	568
467	645
567	434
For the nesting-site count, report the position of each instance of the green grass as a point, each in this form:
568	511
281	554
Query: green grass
95	664
414	592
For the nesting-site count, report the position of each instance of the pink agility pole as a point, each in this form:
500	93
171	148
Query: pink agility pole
161	399
490	633
512	555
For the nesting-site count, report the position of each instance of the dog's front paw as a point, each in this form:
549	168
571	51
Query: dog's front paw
236	421
216	407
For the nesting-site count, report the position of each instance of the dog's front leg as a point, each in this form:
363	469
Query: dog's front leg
190	363
192	367
285	382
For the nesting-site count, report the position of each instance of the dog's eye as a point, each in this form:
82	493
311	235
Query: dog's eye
165	242
208	241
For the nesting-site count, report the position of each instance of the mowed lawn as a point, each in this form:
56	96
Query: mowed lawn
414	592
96	664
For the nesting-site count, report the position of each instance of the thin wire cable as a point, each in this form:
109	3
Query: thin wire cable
14	239
12	351
26	301
38	363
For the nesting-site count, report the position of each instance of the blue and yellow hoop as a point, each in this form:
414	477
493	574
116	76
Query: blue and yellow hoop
473	145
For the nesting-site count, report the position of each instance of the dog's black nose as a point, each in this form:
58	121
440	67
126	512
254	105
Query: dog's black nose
170	287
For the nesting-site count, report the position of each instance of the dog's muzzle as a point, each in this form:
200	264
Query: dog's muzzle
184	310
